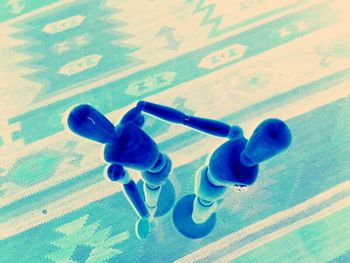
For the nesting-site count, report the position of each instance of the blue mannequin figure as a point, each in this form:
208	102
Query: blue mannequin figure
233	164
127	145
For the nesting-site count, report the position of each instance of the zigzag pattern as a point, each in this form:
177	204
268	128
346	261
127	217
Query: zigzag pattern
81	241
64	52
237	14
208	9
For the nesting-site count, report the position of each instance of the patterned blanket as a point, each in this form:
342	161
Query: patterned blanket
237	61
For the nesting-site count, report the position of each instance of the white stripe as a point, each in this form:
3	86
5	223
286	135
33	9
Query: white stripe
107	79
344	203
234	237
104	188
58	208
196	91
207	145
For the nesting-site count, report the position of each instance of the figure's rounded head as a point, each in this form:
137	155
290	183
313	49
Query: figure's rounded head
276	133
78	115
89	123
271	137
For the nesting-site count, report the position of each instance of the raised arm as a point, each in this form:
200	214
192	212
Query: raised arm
209	126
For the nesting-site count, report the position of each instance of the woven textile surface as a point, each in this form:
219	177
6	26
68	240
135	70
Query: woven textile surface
236	61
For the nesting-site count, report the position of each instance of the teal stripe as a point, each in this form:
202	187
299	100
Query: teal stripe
172	145
103	47
191	137
48	195
112	96
317	242
299	181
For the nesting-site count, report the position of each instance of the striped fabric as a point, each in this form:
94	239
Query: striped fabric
237	61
